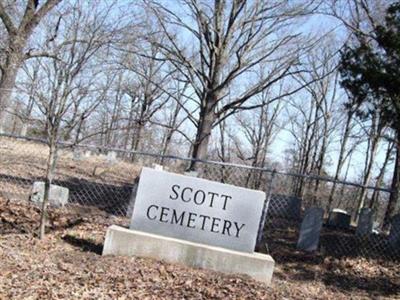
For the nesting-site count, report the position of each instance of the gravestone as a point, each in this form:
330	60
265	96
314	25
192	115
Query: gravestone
24	129
365	222
284	206
376	228
77	155
394	235
111	156
87	154
192	173
197	222
197	210
158	167
58	195
339	218
310	229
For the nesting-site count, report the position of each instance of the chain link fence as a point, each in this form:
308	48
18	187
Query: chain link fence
103	179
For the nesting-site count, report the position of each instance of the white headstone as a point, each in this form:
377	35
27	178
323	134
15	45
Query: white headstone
77	155
197	210
158	167
111	156
192	173
58	195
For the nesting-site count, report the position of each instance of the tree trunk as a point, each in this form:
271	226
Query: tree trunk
111	135
379	179
200	146
173	126
321	160
367	175
15	120
342	190
7	83
79	130
166	143
394	195
341	159
27	116
51	164
137	135
128	128
309	137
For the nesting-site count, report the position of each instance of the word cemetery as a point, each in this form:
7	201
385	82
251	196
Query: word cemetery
196	222
191	220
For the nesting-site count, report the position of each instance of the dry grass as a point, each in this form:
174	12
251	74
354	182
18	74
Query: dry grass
23	162
23	158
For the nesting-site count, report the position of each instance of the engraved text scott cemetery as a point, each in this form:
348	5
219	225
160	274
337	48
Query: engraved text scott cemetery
196	222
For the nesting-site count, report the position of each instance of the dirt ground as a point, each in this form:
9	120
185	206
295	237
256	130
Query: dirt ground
68	265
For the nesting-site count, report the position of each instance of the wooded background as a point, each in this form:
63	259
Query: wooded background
260	83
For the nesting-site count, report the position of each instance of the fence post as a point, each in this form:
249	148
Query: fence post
269	185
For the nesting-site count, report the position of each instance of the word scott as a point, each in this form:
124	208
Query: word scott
198	197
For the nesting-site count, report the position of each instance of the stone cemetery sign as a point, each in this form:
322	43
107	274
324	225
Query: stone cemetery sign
197	210
180	219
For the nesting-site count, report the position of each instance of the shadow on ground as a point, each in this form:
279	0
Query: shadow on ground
84	244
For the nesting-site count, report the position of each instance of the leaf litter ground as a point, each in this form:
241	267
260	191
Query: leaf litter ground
68	264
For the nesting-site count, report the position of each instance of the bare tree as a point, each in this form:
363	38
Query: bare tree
374	136
19	29
344	152
174	118
112	113
223	150
227	41
71	86
259	128
143	88
324	92
379	179
312	118
362	18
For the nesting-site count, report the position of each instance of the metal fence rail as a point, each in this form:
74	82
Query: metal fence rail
103	178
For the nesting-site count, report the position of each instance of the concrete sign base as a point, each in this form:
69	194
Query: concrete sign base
122	241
